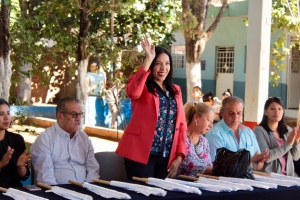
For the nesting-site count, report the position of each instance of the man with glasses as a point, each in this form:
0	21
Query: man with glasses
63	152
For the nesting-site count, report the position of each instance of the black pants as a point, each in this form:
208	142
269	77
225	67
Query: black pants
155	168
297	167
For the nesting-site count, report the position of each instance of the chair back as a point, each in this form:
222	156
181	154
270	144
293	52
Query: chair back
111	166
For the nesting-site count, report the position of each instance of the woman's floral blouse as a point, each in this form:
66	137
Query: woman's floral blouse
197	158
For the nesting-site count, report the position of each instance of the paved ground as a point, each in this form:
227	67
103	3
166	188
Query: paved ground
30	133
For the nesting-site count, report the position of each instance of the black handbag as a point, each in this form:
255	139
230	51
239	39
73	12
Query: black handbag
233	164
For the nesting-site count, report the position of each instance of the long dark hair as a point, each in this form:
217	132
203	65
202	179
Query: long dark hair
2	101
150	83
282	128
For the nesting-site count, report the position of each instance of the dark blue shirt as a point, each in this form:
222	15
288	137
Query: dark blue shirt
163	138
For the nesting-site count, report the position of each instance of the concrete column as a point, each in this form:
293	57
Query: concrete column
258	55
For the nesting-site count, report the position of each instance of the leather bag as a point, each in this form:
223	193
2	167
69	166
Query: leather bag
233	164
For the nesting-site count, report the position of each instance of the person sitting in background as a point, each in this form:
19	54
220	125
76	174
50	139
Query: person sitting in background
13	153
153	143
63	152
199	118
231	134
282	141
227	93
215	103
96	80
197	95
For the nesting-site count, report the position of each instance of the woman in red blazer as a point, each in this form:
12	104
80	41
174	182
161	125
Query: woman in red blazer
153	144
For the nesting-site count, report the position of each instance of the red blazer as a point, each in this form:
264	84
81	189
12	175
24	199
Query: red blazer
137	139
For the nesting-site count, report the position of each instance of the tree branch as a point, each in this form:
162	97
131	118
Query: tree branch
214	25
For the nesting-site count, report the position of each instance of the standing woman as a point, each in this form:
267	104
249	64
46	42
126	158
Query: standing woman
13	158
153	144
281	140
199	118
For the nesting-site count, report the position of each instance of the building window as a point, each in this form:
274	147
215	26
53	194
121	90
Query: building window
203	65
225	59
178	56
295	59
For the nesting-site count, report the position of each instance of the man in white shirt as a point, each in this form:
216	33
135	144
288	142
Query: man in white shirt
63	152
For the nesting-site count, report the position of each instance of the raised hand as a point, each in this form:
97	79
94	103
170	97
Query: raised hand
297	130
7	156
148	48
149	52
293	135
23	159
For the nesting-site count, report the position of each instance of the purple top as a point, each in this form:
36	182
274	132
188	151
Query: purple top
197	158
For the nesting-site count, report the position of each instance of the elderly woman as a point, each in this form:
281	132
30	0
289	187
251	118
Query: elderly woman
281	140
13	158
199	119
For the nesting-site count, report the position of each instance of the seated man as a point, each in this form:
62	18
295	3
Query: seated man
231	134
63	152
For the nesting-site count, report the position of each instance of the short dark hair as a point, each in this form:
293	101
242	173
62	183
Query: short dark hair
208	96
94	61
3	101
150	83
61	104
282	128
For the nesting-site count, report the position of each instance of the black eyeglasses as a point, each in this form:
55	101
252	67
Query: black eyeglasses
75	114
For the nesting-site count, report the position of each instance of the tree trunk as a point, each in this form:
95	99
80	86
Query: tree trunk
196	37
82	57
194	49
5	76
24	86
81	85
298	119
5	38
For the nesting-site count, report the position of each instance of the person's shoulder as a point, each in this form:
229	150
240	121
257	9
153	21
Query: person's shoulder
83	134
102	73
203	139
48	132
177	87
217	129
14	135
258	128
246	129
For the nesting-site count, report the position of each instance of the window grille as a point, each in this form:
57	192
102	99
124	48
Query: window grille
295	59
225	59
178	56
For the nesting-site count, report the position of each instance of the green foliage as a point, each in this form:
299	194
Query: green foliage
285	17
21	115
58	22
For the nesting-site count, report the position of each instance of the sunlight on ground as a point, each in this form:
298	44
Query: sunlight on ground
30	133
